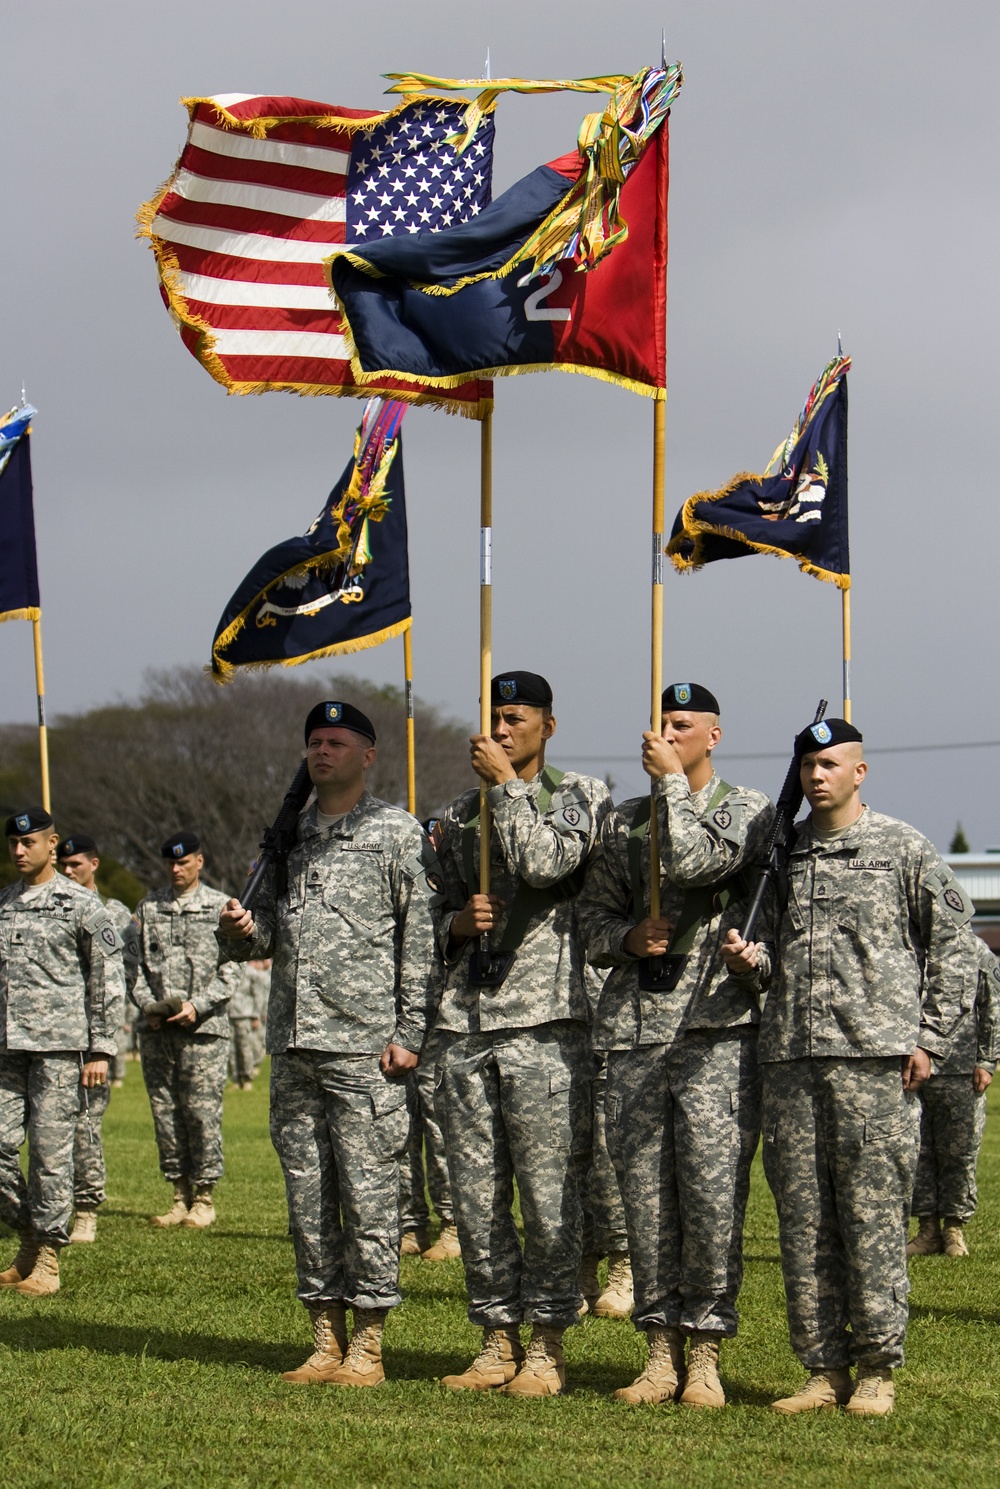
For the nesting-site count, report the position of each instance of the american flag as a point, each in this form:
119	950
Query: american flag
266	189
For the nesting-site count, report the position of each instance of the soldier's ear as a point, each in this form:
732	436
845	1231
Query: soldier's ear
548	726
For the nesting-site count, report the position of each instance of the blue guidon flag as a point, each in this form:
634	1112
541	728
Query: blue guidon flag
18	562
796	509
342	586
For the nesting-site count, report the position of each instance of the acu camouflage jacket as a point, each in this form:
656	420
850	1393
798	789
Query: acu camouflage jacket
62	980
180	956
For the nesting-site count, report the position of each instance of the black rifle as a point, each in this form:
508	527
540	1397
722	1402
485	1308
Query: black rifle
279	839
778	842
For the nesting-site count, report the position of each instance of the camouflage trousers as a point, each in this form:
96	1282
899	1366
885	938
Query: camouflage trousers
683	1124
243	1052
514	1105
603	1211
952	1119
40	1098
339	1128
185	1077
840	1146
89	1173
425	1164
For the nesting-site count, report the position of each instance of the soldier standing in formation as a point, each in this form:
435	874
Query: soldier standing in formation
683	1095
863	955
350	926
953	1116
425	1167
514	1065
78	858
604	1229
184	1052
243	1025
62	994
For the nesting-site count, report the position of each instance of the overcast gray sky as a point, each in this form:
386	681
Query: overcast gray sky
831	167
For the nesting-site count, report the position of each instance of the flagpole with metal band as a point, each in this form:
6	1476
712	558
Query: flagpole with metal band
845	600
656	647
485	649
411	743
43	733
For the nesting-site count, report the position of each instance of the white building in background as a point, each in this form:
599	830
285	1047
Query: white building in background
979	876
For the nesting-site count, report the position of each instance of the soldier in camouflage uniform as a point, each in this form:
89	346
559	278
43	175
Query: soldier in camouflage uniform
184	1052
78	858
863	957
683	1096
351	930
243	1022
952	1119
62	992
514	1068
425	1167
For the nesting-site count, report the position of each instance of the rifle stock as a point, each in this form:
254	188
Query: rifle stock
279	838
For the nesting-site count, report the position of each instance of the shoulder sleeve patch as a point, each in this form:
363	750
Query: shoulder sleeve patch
425	872
942	883
102	931
726	820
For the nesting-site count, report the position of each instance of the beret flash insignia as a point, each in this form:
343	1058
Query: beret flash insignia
508	688
682	692
22	823
333	712
178	850
821	733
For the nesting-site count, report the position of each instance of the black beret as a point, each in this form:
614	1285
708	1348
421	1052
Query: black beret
827	732
81	843
690	697
180	844
31	819
520	687
339	716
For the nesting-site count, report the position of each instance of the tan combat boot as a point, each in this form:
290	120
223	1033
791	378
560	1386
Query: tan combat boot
179	1208
43	1279
543	1372
704	1388
663	1377
874	1394
496	1363
616	1300
447	1247
84	1228
414	1242
329	1326
23	1262
927	1241
952	1240
823	1389
202	1212
363	1361
587	1281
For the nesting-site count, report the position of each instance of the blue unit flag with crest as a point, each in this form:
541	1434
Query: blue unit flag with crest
342	586
18	562
796	509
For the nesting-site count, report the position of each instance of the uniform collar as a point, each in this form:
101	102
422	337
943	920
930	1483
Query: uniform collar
345	828
850	840
700	799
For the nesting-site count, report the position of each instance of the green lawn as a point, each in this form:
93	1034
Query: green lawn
158	1364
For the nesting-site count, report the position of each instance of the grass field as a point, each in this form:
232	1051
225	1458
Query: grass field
158	1362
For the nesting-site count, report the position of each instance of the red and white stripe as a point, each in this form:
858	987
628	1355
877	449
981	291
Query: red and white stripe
248	222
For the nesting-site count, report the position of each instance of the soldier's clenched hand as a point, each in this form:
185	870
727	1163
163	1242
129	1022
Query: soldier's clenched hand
94	1073
739	956
185	1016
480	915
659	758
649	938
981	1078
916	1069
396	1061
490	760
235	922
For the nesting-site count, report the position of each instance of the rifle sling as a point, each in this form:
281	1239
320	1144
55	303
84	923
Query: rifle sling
529	901
699	904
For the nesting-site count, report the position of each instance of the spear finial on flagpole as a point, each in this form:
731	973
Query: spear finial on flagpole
663	46
840	349
487	74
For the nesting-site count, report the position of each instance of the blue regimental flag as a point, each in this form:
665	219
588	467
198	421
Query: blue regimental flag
796	509
18	563
342	586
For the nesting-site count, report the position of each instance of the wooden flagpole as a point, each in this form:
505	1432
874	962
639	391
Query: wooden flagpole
485	630
845	599
411	742
656	630
43	734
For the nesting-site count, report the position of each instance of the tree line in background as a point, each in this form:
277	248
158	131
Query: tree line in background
215	761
